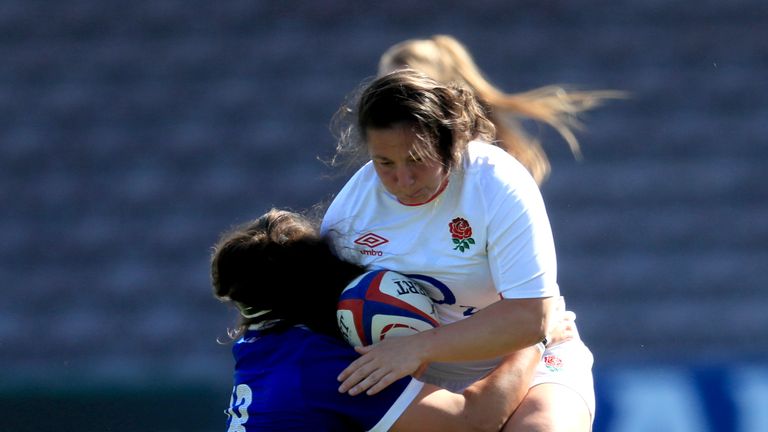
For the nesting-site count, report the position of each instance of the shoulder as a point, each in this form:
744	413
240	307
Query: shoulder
486	157
320	345
350	195
492	168
330	348
297	349
364	177
298	341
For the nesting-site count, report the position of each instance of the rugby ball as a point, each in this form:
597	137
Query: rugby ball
381	304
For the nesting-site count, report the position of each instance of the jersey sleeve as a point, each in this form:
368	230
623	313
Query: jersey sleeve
521	250
338	218
348	196
375	413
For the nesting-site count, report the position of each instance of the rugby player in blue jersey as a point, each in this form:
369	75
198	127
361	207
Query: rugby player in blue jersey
285	281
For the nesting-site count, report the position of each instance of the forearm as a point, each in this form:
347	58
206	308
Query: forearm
501	328
491	401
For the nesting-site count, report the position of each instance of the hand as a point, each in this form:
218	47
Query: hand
564	330
382	364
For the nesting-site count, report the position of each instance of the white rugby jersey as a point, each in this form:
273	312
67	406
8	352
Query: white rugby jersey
486	236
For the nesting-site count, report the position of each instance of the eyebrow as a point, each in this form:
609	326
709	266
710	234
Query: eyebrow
384	158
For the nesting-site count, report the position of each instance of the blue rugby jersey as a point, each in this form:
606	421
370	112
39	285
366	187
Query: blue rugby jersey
287	382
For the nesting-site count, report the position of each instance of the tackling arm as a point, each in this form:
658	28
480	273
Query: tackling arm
501	328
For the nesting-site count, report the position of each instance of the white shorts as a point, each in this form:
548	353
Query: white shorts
569	364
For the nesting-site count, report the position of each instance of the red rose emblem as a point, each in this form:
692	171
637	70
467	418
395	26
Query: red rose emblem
460	229
461	233
553	363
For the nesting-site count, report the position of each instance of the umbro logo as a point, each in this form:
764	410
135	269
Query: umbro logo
371	240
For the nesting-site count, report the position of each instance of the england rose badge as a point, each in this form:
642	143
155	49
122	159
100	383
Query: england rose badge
461	233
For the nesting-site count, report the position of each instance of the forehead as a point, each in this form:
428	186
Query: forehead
394	142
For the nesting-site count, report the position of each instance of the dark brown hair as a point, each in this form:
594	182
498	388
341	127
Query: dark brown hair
444	117
278	263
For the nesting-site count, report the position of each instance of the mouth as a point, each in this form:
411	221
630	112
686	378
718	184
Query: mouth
421	193
421	196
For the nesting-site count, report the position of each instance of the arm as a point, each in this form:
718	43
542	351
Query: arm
484	406
503	327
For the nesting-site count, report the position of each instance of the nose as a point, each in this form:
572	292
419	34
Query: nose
405	177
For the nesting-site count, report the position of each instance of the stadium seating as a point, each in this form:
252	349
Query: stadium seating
131	134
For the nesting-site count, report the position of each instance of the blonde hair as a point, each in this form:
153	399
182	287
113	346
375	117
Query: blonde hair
446	60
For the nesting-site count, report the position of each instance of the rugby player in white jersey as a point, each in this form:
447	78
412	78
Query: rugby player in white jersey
440	204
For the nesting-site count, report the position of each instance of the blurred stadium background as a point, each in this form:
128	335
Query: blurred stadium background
132	133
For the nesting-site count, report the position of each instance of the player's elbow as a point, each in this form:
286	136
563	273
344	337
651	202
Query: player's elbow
531	318
542	318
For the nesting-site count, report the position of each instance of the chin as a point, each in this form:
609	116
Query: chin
413	200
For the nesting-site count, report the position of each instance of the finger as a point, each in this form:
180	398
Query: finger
352	368
349	382
560	305
363	349
357	378
366	384
370	380
420	370
383	383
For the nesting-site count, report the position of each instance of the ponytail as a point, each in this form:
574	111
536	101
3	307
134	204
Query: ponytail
445	59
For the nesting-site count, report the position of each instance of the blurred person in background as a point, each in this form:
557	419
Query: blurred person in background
447	60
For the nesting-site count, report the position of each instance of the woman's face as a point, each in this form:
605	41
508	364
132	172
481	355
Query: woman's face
411	180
